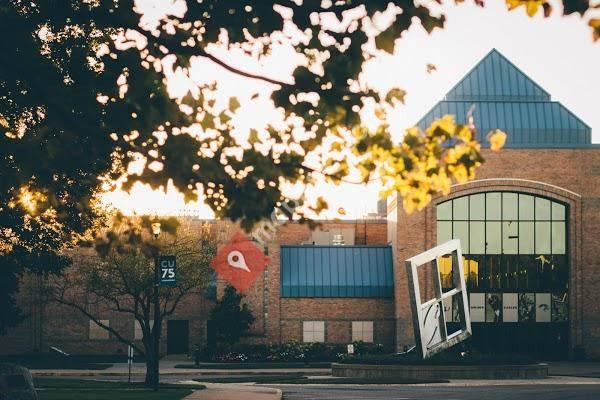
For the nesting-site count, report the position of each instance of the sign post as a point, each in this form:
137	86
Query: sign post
129	359
168	270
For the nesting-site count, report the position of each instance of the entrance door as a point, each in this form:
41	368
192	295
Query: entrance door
178	335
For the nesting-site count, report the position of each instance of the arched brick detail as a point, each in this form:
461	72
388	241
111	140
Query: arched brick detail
571	199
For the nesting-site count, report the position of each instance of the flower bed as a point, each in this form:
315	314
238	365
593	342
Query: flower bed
284	352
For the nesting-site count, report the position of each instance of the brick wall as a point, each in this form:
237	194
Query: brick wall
277	320
280	320
568	175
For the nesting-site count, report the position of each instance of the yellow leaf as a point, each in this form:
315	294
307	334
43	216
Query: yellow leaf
380	113
595	25
497	139
532	6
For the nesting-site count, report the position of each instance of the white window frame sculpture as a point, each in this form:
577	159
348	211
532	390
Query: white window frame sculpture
430	330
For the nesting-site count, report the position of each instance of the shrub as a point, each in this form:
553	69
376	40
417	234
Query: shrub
231	318
281	352
362	348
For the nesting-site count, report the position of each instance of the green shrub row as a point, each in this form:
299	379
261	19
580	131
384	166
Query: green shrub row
284	352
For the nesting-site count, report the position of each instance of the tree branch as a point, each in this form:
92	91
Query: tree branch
100	324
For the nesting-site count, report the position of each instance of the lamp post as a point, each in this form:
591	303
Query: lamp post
156	338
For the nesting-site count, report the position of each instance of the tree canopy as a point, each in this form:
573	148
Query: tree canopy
84	92
117	278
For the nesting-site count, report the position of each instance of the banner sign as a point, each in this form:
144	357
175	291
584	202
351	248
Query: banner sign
167	269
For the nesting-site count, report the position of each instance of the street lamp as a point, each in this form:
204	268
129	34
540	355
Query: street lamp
156	234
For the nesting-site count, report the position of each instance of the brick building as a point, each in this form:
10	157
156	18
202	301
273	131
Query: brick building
529	227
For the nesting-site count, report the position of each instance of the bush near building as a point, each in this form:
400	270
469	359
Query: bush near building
285	352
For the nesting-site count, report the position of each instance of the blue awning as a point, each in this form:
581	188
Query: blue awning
336	271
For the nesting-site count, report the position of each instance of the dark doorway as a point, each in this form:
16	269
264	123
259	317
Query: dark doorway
178	336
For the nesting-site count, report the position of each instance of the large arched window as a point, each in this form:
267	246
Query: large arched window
515	250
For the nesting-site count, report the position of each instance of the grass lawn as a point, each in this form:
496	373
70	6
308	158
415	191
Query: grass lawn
251	378
353	381
83	389
55	361
300	380
67	383
112	394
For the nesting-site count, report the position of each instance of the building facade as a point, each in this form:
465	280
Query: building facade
529	226
528	223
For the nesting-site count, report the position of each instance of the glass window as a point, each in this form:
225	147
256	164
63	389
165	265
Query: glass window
444	231
444	211
471	266
493	269
560	273
493	206
461	208
510	206
542	237
362	331
476	237
313	331
477	207
510	270
558	212
526	238
526	207
493	238
444	265
511	242
542	209
558	238
510	237
461	231
528	269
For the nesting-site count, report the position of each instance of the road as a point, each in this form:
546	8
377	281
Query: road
493	392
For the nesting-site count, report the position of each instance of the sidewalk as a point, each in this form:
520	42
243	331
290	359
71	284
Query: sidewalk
167	367
216	391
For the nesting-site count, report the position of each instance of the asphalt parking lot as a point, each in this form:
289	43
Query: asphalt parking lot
492	392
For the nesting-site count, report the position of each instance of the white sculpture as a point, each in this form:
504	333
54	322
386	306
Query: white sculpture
429	318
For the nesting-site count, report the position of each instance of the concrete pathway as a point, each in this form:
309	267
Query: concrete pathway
216	391
167	367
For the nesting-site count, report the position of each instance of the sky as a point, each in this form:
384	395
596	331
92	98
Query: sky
558	53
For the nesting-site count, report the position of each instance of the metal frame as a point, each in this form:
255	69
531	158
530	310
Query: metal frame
430	330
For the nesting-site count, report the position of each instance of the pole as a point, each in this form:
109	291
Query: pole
156	326
129	361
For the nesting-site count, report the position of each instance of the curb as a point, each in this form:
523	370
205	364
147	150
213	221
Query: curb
170	373
236	391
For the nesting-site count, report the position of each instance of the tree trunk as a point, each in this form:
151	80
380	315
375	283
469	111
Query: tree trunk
150	371
150	361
